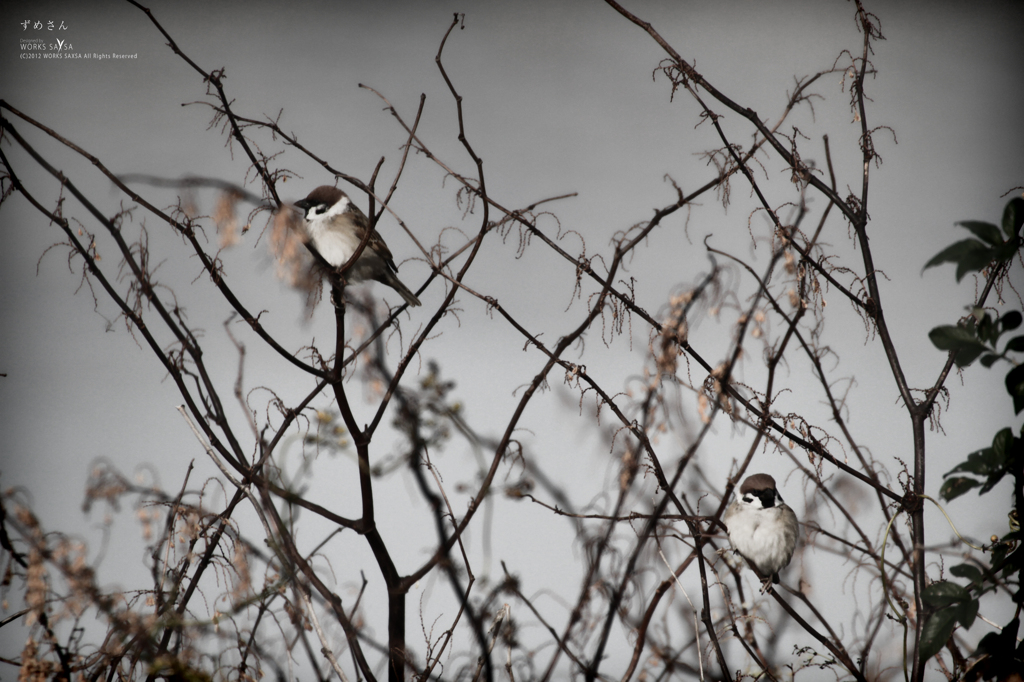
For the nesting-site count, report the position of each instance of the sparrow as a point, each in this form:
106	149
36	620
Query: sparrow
762	528
337	226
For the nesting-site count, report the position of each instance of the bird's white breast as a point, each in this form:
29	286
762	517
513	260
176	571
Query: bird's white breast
761	536
337	237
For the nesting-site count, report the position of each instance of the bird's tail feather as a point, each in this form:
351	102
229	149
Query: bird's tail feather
392	281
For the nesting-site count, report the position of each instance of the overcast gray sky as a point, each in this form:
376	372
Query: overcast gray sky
559	98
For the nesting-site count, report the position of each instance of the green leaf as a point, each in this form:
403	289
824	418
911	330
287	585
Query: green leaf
989	360
992	481
944	593
977	462
1013	217
988	332
962	340
955	487
965	356
984	231
1016	344
1015	387
970	254
983	462
974	260
1008	563
996	643
952	337
1011	320
972	573
936	633
999	556
992	463
950	254
1004	561
1000	446
966	613
1015	451
1005	251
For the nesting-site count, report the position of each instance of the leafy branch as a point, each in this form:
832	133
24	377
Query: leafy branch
977	336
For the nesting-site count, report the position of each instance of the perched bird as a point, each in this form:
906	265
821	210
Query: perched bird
762	527
337	226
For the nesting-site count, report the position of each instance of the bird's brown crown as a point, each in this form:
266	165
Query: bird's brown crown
324	194
757	482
